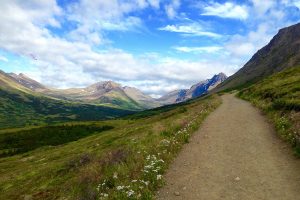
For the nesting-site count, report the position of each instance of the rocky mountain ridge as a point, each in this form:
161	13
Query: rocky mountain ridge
195	91
282	52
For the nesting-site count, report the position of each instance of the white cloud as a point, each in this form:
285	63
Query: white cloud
154	3
171	9
3	58
261	7
193	29
208	49
297	4
226	10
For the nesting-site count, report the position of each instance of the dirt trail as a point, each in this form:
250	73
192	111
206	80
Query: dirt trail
234	155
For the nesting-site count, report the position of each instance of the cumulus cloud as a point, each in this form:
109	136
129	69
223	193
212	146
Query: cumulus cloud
226	10
193	29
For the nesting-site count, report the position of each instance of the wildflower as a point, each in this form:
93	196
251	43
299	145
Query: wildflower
120	187
115	176
158	177
104	194
165	142
130	193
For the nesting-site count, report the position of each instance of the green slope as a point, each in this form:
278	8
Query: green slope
279	97
97	157
21	107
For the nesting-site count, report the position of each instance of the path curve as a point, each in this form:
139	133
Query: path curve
235	155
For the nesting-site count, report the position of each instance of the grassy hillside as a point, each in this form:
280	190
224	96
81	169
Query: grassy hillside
279	97
115	159
20	109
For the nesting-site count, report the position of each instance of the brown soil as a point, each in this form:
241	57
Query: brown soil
236	154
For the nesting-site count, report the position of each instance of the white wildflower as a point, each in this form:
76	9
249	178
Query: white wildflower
115	176
158	177
130	193
120	187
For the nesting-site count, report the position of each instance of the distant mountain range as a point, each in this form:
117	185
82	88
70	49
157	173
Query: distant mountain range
196	90
21	105
282	52
112	94
106	93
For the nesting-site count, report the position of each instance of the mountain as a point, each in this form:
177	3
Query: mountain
107	93
195	91
143	100
20	106
27	82
282	52
172	97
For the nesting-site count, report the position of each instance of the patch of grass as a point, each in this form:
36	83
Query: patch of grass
19	109
126	162
279	97
27	140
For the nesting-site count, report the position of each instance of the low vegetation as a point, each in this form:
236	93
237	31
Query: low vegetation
279	97
25	140
124	162
19	109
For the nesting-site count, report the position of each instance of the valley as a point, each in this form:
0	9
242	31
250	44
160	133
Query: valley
223	137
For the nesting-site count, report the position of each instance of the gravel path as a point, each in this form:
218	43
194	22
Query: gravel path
234	155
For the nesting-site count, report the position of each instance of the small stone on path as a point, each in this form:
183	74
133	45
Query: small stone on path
177	193
237	179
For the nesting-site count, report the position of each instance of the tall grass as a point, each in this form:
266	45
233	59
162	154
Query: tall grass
279	97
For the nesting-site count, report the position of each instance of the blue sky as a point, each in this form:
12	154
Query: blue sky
154	45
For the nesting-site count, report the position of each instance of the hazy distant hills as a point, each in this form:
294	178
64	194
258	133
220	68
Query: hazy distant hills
196	90
282	52
107	93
